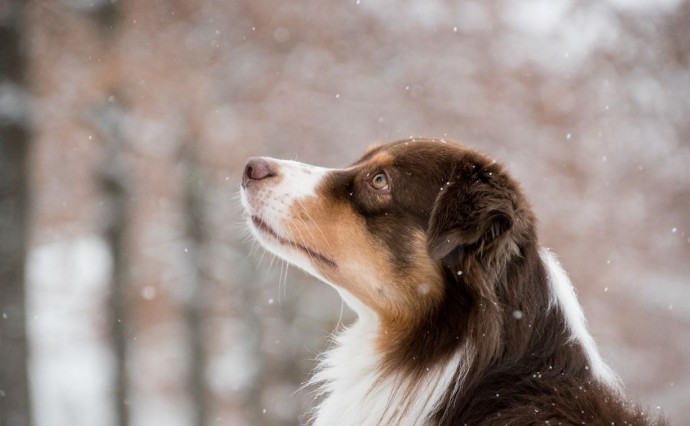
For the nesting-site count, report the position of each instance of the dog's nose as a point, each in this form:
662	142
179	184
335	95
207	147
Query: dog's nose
257	168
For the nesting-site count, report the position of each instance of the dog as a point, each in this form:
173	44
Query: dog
462	317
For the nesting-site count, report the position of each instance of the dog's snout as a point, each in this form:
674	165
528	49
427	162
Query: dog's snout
257	168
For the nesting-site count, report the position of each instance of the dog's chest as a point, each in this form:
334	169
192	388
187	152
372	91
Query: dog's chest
356	394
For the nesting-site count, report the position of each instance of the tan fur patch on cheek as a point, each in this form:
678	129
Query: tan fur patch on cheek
364	265
420	288
424	277
336	231
420	284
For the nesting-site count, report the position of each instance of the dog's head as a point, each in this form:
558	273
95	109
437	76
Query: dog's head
392	231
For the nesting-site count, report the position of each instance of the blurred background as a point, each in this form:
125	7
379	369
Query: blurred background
129	291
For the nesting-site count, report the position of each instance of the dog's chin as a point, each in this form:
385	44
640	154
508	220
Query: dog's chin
294	253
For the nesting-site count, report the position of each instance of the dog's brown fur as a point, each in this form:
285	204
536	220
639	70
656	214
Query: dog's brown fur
453	224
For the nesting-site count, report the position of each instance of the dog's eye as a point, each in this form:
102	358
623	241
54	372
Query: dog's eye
380	181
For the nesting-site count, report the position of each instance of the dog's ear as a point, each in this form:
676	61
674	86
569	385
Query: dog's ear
474	208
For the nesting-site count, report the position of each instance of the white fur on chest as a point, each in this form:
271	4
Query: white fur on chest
356	394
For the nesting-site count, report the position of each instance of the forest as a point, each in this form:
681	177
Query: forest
130	290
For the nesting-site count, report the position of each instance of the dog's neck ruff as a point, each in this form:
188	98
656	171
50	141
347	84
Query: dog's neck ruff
358	395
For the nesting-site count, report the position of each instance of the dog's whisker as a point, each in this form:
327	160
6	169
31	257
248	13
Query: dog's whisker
262	256
252	249
291	225
236	196
284	282
270	264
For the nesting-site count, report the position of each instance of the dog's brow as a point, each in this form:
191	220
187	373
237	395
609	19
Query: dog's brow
382	158
368	155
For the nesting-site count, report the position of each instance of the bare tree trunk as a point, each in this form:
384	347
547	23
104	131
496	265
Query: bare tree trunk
114	184
14	213
113	177
197	239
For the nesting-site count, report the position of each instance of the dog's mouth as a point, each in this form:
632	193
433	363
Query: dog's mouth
266	229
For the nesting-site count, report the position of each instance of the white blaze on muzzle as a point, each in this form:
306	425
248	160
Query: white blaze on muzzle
271	188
